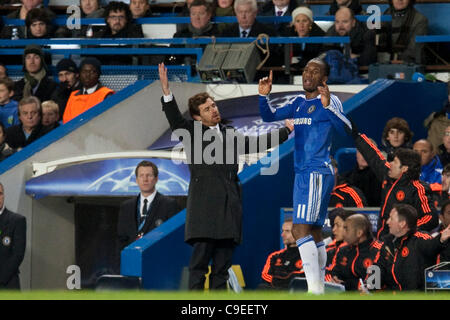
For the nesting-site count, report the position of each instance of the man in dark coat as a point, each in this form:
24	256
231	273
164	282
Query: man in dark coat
148	210
36	81
12	244
362	40
214	209
69	81
30	127
119	24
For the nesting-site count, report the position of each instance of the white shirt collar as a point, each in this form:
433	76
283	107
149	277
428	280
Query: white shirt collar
241	29
91	90
2	209
149	198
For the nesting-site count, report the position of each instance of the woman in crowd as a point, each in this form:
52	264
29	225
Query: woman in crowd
303	26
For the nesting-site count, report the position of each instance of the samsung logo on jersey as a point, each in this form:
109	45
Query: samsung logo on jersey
303	121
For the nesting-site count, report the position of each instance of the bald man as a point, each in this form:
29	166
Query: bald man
431	165
362	40
351	261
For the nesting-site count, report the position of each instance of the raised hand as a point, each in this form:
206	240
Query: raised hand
265	84
162	70
324	94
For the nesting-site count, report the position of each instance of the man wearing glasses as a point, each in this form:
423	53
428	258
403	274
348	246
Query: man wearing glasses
119	24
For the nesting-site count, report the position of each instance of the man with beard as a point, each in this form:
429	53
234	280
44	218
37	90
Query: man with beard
315	113
119	24
69	81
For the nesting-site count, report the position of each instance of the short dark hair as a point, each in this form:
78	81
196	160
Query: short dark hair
339	212
37	14
9	84
407	213
326	66
195	101
399	124
198	3
118	6
146	163
411	159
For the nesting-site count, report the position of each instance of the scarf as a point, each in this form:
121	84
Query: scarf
31	81
202	31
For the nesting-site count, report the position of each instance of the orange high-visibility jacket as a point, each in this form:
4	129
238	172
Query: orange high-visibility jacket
79	103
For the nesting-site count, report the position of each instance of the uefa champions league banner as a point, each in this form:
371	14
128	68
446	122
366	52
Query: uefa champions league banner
114	177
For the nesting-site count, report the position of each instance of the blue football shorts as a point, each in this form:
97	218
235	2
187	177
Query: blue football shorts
312	191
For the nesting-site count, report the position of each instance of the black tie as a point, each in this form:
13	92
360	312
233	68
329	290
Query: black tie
144	210
244	34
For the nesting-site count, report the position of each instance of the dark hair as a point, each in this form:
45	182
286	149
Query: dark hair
326	66
411	159
9	84
399	124
118	6
195	101
198	3
146	163
37	14
339	212
407	213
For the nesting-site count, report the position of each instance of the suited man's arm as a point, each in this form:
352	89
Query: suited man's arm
18	243
266	141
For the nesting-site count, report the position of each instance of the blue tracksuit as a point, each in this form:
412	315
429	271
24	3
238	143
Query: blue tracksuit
9	115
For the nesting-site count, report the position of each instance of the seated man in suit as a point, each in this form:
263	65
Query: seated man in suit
247	25
148	210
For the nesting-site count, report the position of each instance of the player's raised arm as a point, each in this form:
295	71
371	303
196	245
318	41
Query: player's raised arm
162	70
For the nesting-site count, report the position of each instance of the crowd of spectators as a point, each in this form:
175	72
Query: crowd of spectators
394	41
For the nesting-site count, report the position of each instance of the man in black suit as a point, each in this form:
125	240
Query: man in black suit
247	26
37	80
148	210
214	209
13	228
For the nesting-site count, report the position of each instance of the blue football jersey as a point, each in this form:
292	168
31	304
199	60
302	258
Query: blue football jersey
313	128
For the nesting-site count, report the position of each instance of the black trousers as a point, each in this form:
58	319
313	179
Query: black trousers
221	254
